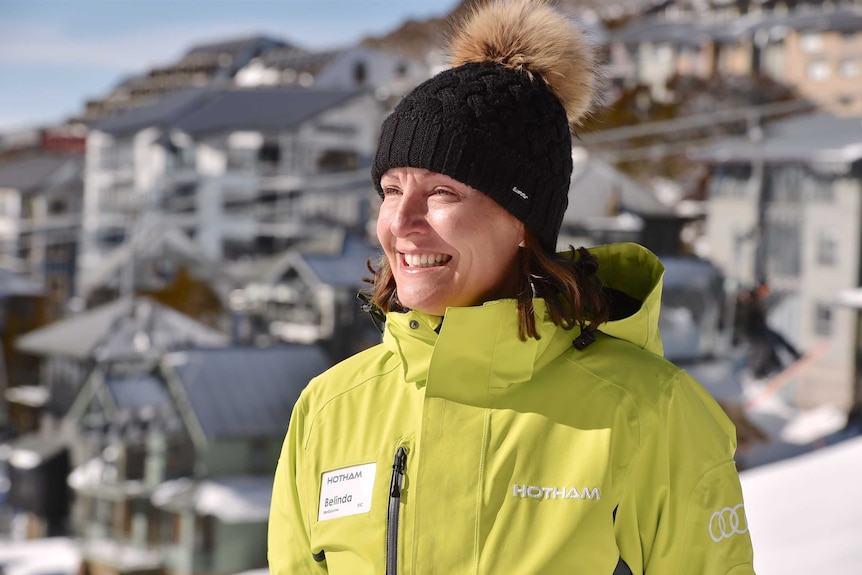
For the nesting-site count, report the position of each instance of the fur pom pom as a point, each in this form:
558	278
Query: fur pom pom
529	35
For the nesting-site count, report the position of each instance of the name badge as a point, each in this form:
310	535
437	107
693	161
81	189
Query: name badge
346	491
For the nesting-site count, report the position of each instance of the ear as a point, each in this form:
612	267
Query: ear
522	234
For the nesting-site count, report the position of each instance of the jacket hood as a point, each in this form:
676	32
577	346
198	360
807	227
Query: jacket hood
637	272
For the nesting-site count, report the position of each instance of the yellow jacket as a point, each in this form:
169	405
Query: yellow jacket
454	448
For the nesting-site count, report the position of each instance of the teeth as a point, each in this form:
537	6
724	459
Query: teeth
425	260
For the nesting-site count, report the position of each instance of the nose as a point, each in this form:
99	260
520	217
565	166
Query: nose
408	215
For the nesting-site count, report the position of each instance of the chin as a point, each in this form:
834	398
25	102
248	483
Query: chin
424	305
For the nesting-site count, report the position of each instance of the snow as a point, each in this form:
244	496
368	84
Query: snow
96	474
254	572
25	459
32	395
53	555
234	499
851	298
124	557
809	425
804	512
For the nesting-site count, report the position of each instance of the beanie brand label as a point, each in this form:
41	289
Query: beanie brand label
346	491
520	193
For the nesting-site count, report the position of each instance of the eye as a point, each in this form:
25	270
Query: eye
443	192
390	191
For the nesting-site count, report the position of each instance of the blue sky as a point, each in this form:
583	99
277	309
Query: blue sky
55	54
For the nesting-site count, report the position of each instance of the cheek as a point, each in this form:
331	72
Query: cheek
383	232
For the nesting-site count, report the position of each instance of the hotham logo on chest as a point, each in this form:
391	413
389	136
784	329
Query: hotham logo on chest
537	492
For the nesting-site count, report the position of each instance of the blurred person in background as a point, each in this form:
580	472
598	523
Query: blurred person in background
518	416
765	346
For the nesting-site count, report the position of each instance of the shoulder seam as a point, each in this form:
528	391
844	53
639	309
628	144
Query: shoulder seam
313	417
673	374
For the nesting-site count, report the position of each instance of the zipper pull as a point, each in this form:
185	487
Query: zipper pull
398	472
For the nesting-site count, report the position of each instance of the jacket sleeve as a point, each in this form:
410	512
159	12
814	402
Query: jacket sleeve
682	509
288	547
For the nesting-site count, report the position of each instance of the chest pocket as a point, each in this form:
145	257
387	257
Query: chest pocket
353	513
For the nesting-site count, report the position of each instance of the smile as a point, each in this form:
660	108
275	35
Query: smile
425	260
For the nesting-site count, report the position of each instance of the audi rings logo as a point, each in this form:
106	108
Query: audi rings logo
728	522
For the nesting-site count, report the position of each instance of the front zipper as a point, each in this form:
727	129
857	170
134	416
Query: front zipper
394	510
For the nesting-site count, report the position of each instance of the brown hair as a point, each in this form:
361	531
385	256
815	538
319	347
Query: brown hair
568	283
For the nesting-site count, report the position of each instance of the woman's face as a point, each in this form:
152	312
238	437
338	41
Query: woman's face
448	244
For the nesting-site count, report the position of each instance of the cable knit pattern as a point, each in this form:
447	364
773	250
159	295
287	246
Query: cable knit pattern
499	130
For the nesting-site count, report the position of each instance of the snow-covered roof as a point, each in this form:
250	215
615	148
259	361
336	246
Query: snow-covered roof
232	499
32	450
817	138
33	171
803	512
126	327
95	474
598	189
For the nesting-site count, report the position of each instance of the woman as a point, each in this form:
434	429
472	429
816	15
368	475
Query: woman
518	416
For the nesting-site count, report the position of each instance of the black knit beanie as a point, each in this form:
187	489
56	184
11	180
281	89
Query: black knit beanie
499	119
495	129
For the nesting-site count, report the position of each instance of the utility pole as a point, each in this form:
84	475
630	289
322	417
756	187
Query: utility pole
758	188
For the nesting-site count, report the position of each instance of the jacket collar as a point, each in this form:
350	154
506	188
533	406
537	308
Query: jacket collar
482	341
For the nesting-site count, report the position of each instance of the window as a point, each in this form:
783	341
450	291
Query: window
154	519
170	527
822	319
204	533
731	181
115	157
9	204
269	156
118	197
242	159
84	507
258	460
182	157
111	237
121	519
848	68
233	250
360	73
821	186
102	513
818	70
338	160
811	42
58	206
783	184
827	248
243	151
181	199
783	249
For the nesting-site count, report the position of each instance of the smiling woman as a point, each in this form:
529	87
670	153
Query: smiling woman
518	416
447	244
